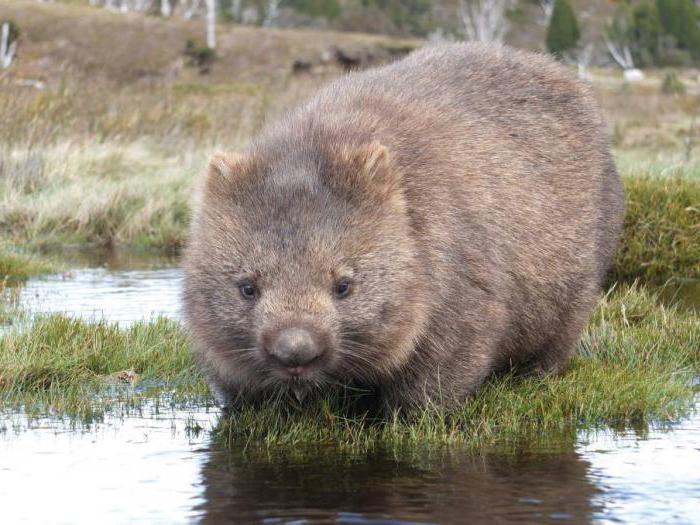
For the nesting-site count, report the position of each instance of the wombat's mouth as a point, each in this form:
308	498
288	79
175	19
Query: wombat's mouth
297	373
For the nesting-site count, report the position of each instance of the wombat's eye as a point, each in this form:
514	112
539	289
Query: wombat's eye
342	288
248	290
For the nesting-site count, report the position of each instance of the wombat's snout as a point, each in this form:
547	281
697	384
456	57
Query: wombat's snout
294	349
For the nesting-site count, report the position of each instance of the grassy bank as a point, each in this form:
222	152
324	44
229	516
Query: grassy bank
103	195
634	364
661	237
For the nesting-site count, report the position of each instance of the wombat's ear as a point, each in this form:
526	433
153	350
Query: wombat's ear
224	170
374	157
374	172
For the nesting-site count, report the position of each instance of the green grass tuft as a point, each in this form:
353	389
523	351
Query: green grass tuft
72	366
661	238
15	265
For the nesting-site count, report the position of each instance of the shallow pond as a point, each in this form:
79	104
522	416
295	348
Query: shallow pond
160	463
162	466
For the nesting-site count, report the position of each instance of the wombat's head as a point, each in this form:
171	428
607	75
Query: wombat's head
302	270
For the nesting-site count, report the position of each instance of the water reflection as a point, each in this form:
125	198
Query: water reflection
153	465
647	480
138	466
683	292
447	487
115	259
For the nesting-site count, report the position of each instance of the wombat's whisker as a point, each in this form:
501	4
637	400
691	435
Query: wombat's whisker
239	350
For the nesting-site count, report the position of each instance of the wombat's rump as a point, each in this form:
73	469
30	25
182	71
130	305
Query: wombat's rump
407	231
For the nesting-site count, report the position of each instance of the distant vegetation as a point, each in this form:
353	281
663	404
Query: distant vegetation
563	33
660	32
655	32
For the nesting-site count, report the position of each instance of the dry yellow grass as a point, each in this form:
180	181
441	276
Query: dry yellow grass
103	194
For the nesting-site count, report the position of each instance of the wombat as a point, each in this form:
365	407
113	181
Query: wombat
407	231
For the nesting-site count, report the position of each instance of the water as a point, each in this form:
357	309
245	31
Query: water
151	467
124	296
117	286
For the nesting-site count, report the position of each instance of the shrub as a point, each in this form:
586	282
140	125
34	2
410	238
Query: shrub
672	84
680	18
563	33
199	54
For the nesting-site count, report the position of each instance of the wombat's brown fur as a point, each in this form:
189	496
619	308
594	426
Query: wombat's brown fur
409	230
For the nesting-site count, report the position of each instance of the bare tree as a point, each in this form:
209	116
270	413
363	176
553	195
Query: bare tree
621	54
124	6
618	40
165	8
190	8
547	10
250	15
236	10
581	58
211	24
7	48
273	11
484	20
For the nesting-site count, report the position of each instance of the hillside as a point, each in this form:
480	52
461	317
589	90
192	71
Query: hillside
58	39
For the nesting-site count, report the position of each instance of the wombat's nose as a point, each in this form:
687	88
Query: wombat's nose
294	348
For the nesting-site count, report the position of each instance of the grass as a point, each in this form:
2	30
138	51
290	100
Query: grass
66	365
635	364
103	195
661	238
18	265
